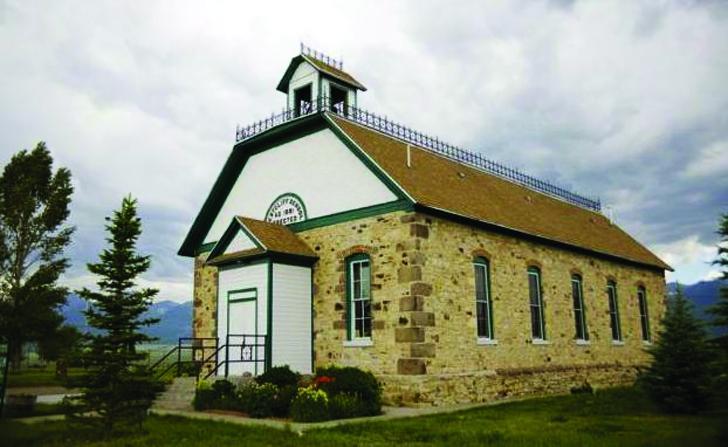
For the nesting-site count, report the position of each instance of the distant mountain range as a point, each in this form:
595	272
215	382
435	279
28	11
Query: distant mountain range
703	295
175	318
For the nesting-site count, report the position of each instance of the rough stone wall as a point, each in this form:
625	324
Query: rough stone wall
387	241
424	335
425	348
450	250
204	304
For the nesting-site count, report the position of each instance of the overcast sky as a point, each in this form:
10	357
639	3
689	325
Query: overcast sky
624	100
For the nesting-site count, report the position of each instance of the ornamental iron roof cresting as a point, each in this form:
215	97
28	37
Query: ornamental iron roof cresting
408	135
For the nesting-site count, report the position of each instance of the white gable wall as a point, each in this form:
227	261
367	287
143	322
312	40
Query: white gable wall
304	74
323	172
240	242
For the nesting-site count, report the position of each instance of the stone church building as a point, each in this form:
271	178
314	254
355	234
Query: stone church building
335	236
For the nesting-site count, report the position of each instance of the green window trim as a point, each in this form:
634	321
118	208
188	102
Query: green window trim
644	314
483	301
362	301
613	302
577	295
538	324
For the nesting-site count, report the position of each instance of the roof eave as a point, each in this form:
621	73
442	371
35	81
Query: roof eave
662	266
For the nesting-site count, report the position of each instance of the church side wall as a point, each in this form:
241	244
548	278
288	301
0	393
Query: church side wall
425	347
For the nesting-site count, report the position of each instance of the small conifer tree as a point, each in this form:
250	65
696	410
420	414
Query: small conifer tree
720	309
679	378
117	389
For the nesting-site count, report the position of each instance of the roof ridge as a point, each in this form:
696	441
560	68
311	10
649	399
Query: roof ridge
477	168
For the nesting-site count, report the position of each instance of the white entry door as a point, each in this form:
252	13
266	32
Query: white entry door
242	333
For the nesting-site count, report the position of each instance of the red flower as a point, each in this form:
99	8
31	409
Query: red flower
322	379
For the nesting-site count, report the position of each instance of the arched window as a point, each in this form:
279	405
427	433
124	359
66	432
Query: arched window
644	315
614	311
483	304
358	293
538	326
577	296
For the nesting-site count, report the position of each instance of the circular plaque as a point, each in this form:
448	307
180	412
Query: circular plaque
286	209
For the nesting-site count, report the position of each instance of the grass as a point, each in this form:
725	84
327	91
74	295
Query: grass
39	376
621	417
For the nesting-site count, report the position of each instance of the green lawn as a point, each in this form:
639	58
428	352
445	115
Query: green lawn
612	418
38	376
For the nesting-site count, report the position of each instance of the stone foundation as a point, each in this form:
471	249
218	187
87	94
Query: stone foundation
490	385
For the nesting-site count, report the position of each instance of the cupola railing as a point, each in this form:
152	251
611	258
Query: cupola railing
408	135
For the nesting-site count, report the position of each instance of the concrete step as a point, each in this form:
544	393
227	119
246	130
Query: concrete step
178	395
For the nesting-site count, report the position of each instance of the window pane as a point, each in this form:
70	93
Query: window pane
533	288
578	302
356	267
479	283
535	322
579	326
644	318
358	327
536	304
367	327
365	288
613	312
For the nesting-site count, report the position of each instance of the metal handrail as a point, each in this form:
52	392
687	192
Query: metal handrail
385	125
213	357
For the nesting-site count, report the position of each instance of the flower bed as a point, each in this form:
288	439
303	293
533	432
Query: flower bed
333	393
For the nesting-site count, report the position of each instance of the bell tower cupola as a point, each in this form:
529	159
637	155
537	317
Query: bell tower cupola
314	78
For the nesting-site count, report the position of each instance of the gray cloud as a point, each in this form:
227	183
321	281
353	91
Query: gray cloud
626	100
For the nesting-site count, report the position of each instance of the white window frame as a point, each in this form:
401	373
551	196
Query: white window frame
355	340
613	303
542	339
575	278
644	315
489	338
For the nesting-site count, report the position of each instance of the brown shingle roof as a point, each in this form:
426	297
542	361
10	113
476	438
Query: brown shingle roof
276	238
333	71
440	183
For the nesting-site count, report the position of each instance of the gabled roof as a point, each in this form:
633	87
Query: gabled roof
445	185
321	66
269	239
440	185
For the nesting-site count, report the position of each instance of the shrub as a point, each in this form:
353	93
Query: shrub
220	395
343	406
584	388
257	400
353	382
310	405
280	376
204	399
283	399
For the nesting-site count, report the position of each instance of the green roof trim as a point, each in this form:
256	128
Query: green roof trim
194	243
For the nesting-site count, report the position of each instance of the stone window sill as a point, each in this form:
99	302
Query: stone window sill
583	342
617	343
487	341
540	341
358	343
646	342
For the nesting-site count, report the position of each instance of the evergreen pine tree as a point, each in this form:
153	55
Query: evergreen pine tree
679	378
720	309
116	386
